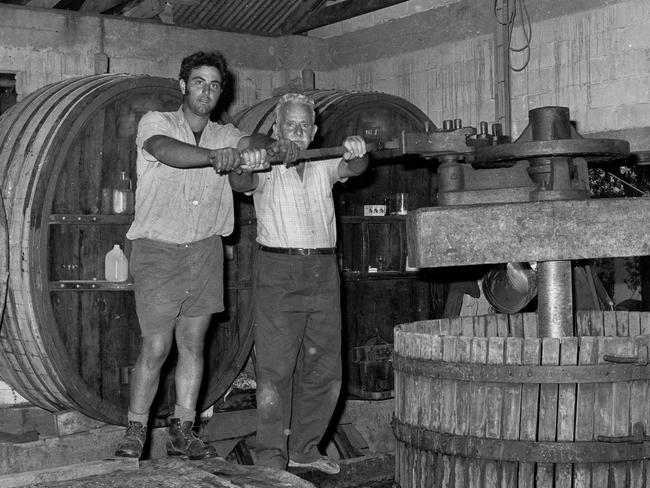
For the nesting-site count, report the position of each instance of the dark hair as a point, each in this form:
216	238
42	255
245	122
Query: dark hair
201	58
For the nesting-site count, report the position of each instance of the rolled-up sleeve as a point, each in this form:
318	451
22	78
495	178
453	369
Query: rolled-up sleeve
152	124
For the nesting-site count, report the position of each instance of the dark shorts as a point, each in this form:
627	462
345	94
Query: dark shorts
171	280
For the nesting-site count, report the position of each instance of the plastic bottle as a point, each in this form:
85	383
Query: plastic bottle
123	195
116	266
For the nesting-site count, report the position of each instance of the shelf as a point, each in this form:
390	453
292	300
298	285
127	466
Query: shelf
381	219
109	219
90	285
380	275
97	219
373	242
103	285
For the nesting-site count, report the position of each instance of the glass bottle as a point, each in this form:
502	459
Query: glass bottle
123	195
116	265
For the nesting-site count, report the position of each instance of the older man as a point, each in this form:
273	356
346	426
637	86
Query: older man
296	293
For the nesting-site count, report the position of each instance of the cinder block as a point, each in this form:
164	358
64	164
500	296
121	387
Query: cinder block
356	23
635	115
372	420
389	13
634	64
59	451
23	418
69	422
599	119
624	14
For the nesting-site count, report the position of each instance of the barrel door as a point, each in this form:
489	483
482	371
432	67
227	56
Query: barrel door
69	338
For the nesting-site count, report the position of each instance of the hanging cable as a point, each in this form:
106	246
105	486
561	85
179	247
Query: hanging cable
517	10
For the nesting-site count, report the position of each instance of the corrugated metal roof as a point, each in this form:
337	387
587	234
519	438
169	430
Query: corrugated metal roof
260	17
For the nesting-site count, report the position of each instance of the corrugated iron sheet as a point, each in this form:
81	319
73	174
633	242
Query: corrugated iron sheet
262	17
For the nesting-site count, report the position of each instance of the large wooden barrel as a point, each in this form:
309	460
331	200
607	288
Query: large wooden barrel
372	303
4	258
482	401
69	339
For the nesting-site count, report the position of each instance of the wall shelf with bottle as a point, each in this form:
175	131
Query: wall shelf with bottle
373	248
85	219
90	285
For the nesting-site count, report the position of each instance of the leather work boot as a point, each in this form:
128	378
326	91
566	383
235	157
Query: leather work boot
131	445
183	441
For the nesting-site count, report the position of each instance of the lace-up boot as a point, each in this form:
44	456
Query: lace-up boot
131	445
183	441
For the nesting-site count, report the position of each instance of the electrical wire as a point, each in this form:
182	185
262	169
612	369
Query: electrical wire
516	9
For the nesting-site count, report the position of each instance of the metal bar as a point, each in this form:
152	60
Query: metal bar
337	151
518	450
554	298
521	374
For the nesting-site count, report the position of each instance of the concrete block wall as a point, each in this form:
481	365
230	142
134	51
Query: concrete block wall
591	56
41	49
42	46
596	62
453	80
441	60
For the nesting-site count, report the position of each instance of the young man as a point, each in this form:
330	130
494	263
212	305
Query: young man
297	296
183	207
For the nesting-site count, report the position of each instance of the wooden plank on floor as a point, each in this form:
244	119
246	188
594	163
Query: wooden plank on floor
176	472
66	473
220	473
358	472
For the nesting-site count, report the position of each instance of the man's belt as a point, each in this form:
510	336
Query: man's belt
297	251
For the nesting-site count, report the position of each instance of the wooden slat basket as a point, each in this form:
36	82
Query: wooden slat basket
483	402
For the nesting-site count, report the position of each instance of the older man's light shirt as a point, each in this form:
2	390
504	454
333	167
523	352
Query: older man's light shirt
297	213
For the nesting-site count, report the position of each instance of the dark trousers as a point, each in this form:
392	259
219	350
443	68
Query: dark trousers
298	354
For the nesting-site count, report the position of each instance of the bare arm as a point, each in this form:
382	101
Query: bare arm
354	161
246	181
178	154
